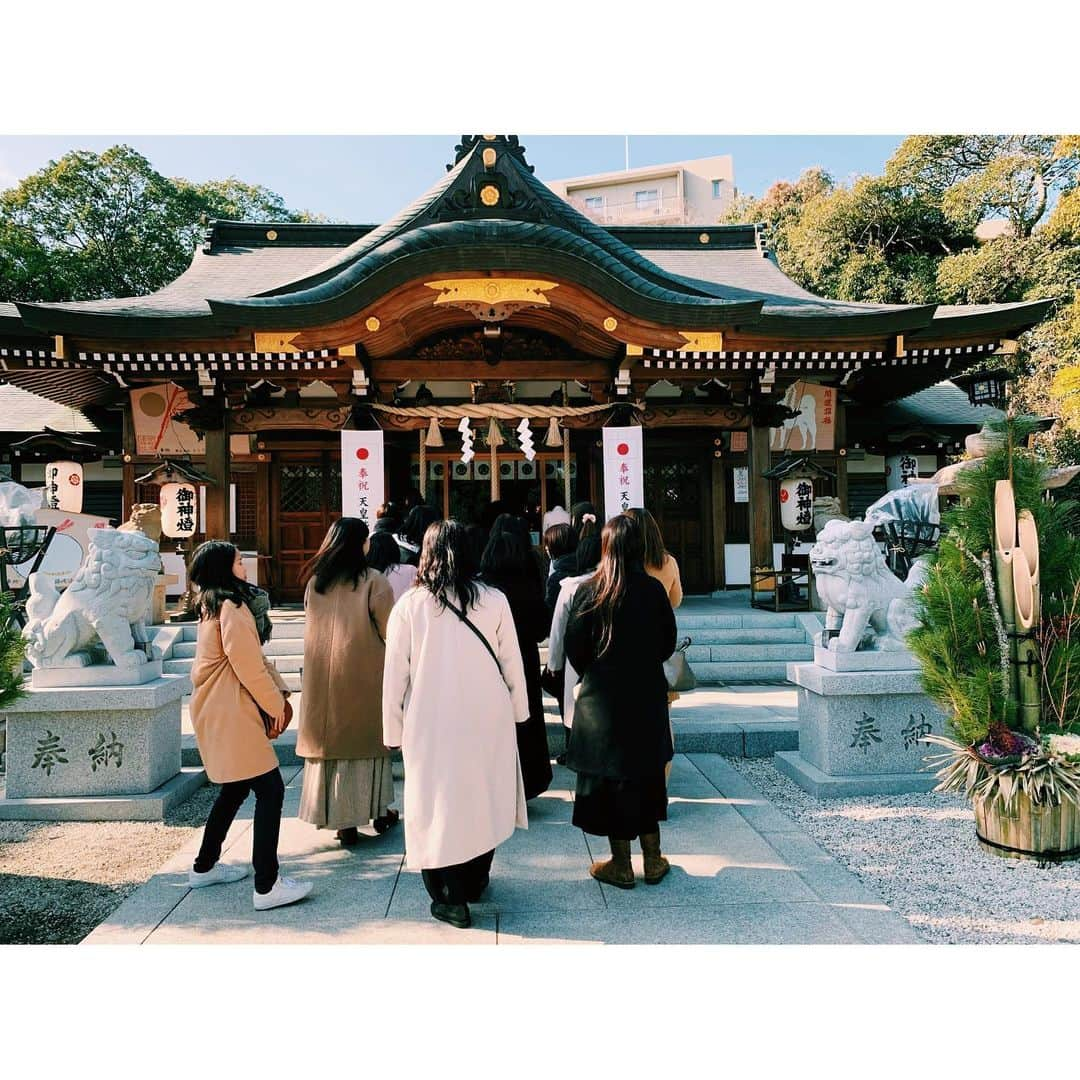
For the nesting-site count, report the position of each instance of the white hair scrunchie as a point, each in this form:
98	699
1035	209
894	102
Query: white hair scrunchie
588	517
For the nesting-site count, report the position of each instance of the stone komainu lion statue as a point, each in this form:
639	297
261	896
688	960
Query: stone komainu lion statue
866	600
106	602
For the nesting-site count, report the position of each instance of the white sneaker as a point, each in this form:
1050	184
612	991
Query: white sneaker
218	874
285	891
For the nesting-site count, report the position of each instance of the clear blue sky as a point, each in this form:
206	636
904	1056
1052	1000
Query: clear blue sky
368	178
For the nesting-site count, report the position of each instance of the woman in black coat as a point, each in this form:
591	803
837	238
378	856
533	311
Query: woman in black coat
621	630
510	566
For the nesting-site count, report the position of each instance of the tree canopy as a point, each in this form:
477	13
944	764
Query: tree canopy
909	236
98	225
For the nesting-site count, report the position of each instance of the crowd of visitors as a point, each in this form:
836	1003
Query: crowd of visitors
424	637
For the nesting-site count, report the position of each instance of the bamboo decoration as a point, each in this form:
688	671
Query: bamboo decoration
1027	536
1004	550
1028	673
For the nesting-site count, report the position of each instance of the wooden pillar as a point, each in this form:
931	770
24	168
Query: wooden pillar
840	435
761	507
128	473
219	468
719	515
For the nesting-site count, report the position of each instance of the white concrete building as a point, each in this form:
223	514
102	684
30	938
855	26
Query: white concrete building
694	192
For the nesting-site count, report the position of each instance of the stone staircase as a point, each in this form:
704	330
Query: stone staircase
176	643
732	643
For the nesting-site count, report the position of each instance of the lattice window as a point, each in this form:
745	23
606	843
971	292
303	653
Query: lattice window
334	480
245	536
302	488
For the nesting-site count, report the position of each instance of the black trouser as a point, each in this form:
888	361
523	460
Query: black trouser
460	884
269	795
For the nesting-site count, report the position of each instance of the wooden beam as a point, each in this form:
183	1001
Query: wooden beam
218	467
761	508
127	500
840	435
719	517
399	370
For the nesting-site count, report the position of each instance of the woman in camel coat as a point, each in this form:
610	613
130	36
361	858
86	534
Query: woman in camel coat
347	777
232	681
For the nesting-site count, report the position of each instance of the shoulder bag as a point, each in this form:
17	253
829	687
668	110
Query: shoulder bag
473	627
677	669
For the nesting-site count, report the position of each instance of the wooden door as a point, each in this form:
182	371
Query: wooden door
306	499
677	492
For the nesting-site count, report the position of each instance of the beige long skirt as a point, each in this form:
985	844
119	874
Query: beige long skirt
343	794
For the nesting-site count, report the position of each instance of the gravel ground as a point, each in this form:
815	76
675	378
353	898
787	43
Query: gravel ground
920	854
58	880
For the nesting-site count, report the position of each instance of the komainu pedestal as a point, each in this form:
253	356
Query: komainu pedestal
863	718
97	753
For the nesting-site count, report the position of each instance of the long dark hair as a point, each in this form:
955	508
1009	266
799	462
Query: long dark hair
508	552
341	557
655	552
588	554
447	564
577	513
211	572
383	552
622	548
417	521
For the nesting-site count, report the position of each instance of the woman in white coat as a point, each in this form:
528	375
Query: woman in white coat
452	693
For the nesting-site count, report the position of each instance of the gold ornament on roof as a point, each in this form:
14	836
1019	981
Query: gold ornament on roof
372	323
701	342
489	195
610	324
704	237
489	157
271	234
492	299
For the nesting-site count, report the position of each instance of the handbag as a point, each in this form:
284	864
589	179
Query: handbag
268	720
677	670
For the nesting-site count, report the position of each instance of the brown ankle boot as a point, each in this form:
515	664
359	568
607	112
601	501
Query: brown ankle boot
617	870
656	866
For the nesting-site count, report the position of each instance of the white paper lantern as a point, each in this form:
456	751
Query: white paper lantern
179	513
797	503
64	486
899	469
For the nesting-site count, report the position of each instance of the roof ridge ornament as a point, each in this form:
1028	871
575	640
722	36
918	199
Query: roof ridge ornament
507	143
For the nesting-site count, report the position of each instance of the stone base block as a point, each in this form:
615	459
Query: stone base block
874	660
52	678
152	806
95	741
822	786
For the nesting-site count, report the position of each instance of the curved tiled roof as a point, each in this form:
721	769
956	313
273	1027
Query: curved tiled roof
668	276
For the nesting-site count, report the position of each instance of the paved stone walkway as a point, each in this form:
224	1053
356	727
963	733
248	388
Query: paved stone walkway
742	872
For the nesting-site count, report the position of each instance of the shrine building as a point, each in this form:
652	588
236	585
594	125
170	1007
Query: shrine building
490	299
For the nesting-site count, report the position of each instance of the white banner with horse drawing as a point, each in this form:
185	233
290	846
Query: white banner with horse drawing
814	423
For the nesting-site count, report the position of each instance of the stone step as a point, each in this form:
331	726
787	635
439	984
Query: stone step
283	630
183	650
741	671
732	653
750	635
743	619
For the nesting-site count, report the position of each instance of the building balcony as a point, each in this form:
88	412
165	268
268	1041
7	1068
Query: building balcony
663	210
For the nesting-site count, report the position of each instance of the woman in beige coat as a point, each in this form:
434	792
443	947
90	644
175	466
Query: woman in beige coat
347	777
232	682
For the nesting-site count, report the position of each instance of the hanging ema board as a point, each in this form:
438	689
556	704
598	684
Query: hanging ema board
812	426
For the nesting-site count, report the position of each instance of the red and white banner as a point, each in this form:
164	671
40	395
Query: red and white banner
362	474
624	470
814	423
